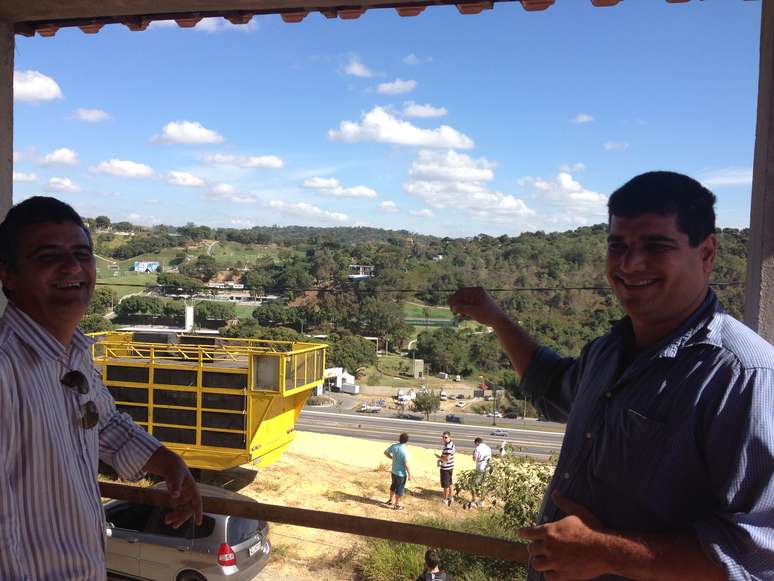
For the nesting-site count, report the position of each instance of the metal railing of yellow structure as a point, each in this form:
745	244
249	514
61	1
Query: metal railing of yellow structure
331	521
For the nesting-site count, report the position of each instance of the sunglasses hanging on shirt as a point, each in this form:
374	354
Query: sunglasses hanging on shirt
88	413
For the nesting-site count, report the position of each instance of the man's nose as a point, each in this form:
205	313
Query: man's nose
632	260
69	262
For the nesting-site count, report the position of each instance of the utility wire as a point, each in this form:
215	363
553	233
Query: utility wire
358	290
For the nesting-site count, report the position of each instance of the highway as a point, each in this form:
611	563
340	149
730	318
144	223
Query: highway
428	434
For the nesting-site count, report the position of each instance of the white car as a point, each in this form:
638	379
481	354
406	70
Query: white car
499	432
495	414
460	404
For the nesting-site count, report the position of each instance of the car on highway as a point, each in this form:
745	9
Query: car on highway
494	414
460	404
453	419
369	408
499	432
141	546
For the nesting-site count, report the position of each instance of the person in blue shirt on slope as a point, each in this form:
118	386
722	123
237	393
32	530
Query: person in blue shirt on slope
400	471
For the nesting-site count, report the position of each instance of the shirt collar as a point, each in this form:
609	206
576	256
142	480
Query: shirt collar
701	327
36	336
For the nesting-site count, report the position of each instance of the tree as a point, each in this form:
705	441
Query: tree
351	352
217	310
102	301
427	402
203	268
173	283
383	319
102	222
139	305
95	324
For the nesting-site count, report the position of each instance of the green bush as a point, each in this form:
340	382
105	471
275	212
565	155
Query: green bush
392	561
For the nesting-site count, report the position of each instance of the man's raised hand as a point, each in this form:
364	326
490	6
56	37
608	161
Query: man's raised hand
476	303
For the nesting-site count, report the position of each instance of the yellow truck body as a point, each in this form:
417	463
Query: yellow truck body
217	402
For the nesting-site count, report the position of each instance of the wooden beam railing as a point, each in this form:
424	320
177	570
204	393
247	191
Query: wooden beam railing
330	521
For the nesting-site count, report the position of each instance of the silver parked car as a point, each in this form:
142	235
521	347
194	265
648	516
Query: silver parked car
224	548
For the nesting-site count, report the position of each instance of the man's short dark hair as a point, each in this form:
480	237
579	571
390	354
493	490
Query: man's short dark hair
666	193
446	434
35	210
431	559
403	438
478	441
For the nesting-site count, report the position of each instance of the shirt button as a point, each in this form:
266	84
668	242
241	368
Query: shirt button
566	475
588	435
609	395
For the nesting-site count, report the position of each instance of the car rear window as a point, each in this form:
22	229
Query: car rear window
187	531
241	529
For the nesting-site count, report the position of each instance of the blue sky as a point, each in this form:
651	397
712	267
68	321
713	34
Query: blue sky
497	123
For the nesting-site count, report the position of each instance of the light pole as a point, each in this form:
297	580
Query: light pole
493	386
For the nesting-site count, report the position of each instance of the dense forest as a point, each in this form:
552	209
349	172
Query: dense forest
553	283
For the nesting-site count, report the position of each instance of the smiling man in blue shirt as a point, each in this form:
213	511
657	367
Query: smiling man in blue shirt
666	468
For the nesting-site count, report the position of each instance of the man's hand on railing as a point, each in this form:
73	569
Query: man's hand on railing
183	490
570	548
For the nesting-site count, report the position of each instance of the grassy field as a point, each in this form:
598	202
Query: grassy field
121	282
244	311
416	311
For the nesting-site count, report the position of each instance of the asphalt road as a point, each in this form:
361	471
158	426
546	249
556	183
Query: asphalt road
428	434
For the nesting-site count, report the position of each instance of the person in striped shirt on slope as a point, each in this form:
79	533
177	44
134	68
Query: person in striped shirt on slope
57	419
446	464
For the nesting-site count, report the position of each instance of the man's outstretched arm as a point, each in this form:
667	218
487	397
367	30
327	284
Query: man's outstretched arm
476	303
578	547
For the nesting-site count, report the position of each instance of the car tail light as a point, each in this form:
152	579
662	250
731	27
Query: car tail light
226	556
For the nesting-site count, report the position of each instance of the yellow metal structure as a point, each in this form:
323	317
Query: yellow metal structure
217	402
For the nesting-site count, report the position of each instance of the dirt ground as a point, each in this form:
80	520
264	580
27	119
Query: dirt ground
342	475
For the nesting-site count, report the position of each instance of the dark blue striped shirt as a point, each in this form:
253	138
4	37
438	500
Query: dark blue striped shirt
51	519
680	440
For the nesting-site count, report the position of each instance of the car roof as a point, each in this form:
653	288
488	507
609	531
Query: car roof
215	491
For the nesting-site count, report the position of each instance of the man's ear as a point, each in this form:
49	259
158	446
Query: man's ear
709	250
6	276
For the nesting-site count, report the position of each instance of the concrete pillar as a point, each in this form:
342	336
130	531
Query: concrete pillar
6	123
759	292
6	116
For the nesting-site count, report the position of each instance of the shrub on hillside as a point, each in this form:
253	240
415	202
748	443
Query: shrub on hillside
384	560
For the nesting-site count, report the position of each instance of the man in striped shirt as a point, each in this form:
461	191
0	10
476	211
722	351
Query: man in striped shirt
446	464
57	419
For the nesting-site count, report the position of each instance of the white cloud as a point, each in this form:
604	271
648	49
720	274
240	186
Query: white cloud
19	176
379	125
572	168
411	109
190	132
357	69
34	86
123	168
411	59
61	156
389	207
397	87
245	161
90	115
568	202
725	177
185	179
228	193
141	219
308	211
17	156
62	185
332	187
217	24
453	180
611	145
240	223
581	118
424	213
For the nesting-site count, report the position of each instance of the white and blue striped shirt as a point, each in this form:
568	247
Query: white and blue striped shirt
51	519
681	440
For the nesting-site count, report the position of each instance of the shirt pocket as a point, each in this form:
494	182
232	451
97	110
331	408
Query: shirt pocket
630	453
